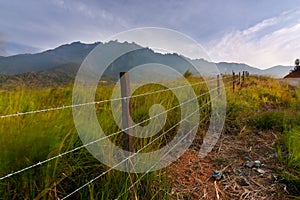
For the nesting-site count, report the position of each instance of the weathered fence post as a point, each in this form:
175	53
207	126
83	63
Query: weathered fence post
127	123
233	81
126	120
218	85
239	78
243	78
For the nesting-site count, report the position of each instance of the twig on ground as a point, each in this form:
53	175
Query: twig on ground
217	192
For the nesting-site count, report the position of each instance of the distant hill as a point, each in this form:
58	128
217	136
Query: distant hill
275	72
278	71
59	76
12	48
59	66
69	53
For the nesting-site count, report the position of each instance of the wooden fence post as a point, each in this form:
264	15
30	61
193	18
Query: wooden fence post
127	123
239	78
243	78
218	85
233	81
126	120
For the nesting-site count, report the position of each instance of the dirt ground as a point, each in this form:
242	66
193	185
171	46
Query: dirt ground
234	155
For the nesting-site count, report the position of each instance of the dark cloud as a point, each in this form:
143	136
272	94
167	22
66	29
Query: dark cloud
47	24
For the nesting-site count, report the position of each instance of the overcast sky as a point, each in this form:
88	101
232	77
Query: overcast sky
261	33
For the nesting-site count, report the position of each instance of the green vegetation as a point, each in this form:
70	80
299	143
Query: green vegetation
262	104
266	104
30	139
187	74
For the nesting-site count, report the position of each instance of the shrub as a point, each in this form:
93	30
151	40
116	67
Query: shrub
269	120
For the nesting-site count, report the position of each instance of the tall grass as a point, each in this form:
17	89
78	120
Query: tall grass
261	104
268	105
28	139
291	140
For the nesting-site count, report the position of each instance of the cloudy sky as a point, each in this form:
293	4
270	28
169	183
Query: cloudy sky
261	33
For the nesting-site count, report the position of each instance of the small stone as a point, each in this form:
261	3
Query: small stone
257	164
243	182
249	164
247	159
217	174
260	171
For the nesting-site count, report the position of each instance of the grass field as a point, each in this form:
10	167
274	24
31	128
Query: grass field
262	104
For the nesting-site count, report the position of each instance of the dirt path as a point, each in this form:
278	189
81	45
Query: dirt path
234	156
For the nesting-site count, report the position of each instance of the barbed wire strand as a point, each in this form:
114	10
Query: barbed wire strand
139	179
103	173
99	102
100	139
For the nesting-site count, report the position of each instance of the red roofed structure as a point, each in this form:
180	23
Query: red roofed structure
293	78
295	73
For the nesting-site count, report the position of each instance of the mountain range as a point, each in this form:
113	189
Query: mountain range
61	64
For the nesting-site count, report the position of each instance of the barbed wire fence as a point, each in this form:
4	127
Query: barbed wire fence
233	80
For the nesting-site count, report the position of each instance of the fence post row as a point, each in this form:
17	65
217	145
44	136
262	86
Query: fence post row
125	92
241	77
